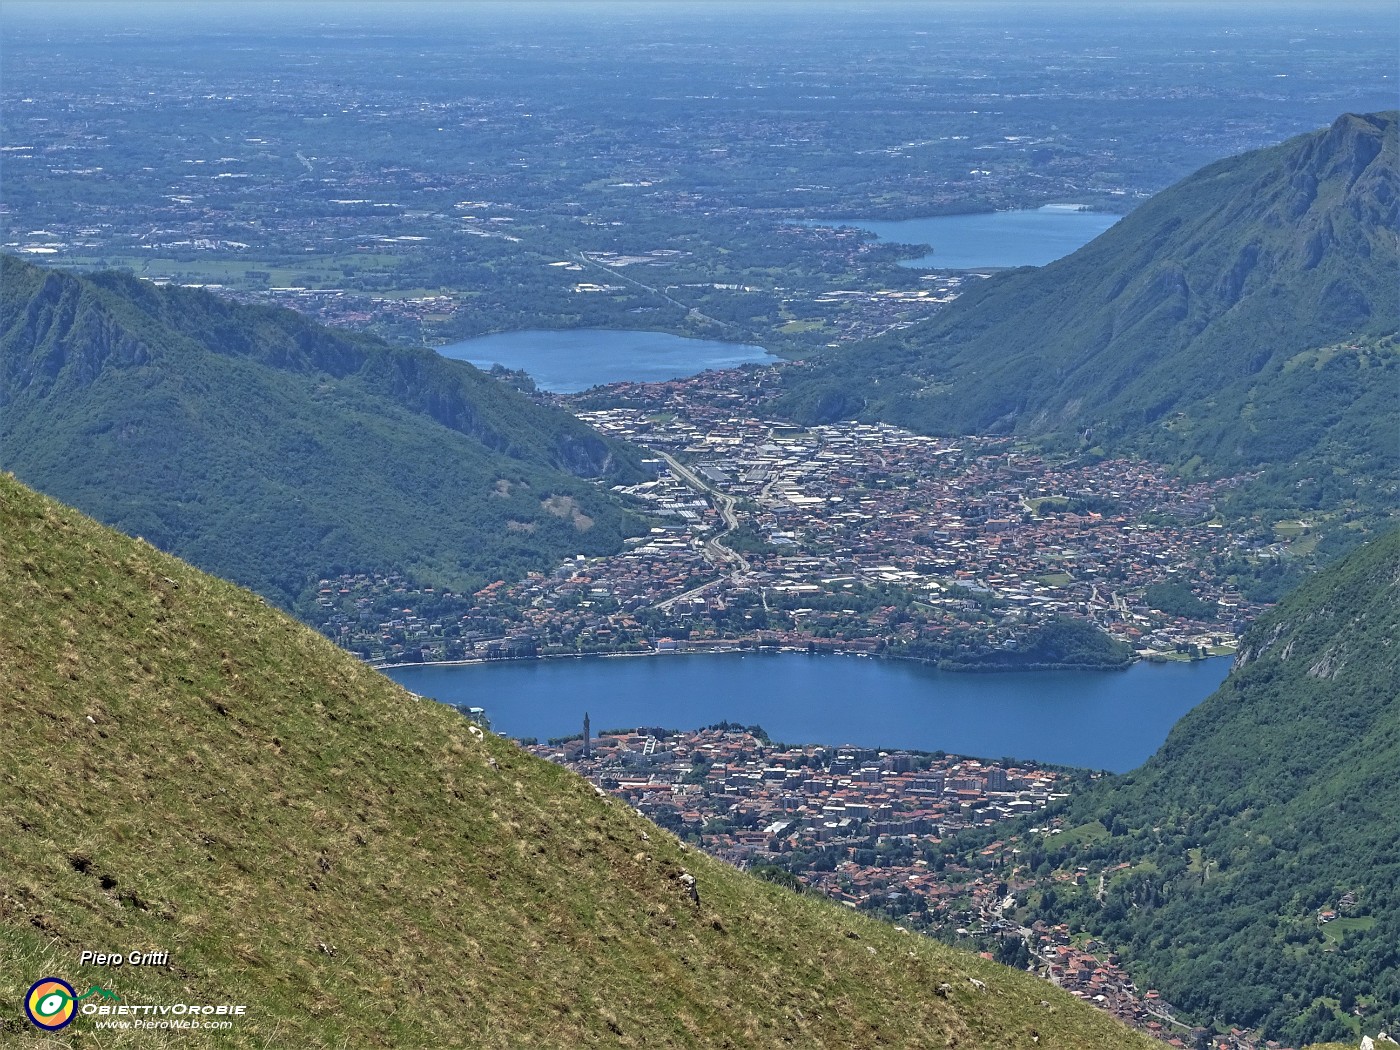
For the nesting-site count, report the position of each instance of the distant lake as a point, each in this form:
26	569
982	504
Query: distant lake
1102	719
993	239
569	360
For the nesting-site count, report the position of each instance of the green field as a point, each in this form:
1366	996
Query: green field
1337	929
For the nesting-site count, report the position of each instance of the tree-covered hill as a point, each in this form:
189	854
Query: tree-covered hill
189	771
1263	885
269	450
1244	318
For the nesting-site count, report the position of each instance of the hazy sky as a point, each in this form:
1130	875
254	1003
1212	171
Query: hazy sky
279	11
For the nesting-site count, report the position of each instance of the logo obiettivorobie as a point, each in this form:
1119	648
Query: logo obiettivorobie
51	1003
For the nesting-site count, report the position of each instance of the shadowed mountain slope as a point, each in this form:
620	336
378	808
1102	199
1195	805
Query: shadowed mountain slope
271	450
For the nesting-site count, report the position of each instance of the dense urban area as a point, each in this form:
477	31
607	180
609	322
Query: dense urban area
869	539
851	537
878	831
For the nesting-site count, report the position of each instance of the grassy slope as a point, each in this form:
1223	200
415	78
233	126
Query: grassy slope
269	449
193	772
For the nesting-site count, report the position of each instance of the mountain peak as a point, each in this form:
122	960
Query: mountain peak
1356	155
1158	334
1353	141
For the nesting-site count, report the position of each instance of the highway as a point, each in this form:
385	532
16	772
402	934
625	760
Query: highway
716	553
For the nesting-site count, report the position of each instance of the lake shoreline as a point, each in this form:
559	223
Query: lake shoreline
950	666
986	241
572	360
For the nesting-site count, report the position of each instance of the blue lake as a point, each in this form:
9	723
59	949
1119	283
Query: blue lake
1102	719
1030	237
569	360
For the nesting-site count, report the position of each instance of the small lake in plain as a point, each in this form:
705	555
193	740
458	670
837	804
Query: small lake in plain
1031	237
1101	719
566	361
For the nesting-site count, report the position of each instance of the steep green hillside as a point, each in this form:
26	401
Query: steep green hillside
1265	887
1245	317
189	771
268	449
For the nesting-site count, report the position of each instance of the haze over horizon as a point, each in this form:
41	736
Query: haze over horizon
953	389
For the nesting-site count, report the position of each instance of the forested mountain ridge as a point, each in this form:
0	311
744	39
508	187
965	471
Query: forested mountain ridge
1260	882
197	774
1245	317
269	449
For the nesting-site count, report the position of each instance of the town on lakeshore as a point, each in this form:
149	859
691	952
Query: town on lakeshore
850	537
868	828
